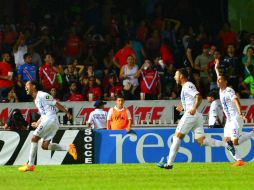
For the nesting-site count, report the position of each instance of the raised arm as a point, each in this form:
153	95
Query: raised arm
217	65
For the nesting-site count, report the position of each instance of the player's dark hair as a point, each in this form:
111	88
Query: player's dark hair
36	84
184	72
224	76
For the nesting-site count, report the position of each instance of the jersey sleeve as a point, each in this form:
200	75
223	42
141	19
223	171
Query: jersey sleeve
192	90
231	93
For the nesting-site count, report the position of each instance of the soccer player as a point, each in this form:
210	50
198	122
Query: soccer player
46	126
192	120
234	116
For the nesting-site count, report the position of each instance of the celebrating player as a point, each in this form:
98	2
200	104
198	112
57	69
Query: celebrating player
46	126
234	116
192	120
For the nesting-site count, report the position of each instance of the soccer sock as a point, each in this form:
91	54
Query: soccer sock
237	155
245	136
173	150
32	153
58	147
213	142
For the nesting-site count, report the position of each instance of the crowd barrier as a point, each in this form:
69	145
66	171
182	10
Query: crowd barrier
111	146
156	112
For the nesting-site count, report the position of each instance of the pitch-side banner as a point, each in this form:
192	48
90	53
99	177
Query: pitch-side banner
152	145
15	146
151	111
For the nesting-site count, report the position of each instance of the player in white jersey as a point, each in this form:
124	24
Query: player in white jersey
192	120
98	118
46	126
215	119
234	116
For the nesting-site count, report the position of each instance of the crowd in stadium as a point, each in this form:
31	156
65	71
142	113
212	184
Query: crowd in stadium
107	52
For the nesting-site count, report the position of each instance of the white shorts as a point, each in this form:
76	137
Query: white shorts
233	127
192	123
47	128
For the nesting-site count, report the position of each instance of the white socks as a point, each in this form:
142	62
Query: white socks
58	147
213	142
32	153
173	150
245	136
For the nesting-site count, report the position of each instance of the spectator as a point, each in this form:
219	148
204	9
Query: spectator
12	96
232	67
71	74
6	74
73	94
94	91
251	44
20	48
247	60
226	36
200	66
139	52
72	47
216	111
54	94
113	88
98	118
48	74
127	74
119	117
120	58
27	71
150	81
248	83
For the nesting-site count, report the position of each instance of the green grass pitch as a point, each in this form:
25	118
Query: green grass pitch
130	176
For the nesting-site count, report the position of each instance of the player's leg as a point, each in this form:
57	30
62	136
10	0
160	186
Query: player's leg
243	136
203	139
32	154
183	127
234	134
49	145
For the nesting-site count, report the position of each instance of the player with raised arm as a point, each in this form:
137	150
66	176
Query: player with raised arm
46	126
191	120
234	116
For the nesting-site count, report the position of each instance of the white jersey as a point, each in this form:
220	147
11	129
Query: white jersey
214	112
98	119
45	104
226	97
188	94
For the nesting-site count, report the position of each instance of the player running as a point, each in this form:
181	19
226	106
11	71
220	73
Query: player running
234	116
192	120
46	126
